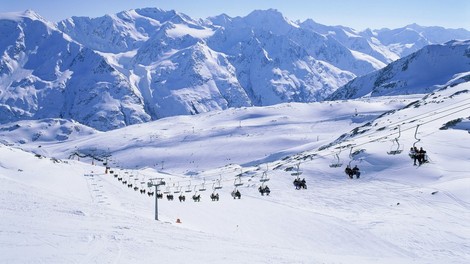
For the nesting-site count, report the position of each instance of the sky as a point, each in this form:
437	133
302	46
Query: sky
358	14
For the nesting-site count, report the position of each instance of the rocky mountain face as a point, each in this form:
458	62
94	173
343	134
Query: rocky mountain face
145	64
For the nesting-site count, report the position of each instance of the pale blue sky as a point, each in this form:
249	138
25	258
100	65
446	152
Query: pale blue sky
358	14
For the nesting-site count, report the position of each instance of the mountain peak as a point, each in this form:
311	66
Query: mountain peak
29	13
268	14
270	19
18	16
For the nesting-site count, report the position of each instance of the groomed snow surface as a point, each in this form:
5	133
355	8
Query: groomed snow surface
59	210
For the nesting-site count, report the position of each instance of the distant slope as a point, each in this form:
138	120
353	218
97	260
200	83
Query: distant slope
411	38
43	131
432	67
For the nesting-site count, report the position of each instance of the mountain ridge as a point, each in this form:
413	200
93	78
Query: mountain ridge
144	64
433	67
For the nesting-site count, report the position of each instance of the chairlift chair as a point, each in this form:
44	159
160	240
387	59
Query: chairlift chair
203	186
188	189
426	157
167	190
298	172
264	177
337	163
238	181
178	189
136	188
217	185
398	150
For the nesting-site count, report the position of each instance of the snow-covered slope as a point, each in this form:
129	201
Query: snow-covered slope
422	72
57	210
44	130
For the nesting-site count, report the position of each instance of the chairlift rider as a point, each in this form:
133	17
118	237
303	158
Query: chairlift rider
300	184
264	190
418	155
351	172
236	194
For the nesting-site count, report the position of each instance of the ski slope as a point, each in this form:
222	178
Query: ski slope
57	208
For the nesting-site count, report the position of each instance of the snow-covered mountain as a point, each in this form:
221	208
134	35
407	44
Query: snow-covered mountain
145	64
430	68
411	38
45	74
387	45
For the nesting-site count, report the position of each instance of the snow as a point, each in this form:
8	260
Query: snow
13	16
60	210
180	30
364	57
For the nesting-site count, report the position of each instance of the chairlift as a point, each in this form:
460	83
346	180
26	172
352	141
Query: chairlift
398	150
264	189
178	188
167	190
298	172
264	177
217	185
188	190
424	157
136	188
336	163
238	181
352	171
203	186
142	187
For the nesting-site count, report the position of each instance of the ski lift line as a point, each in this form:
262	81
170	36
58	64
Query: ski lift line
318	155
178	185
434	118
432	114
426	115
186	133
414	127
